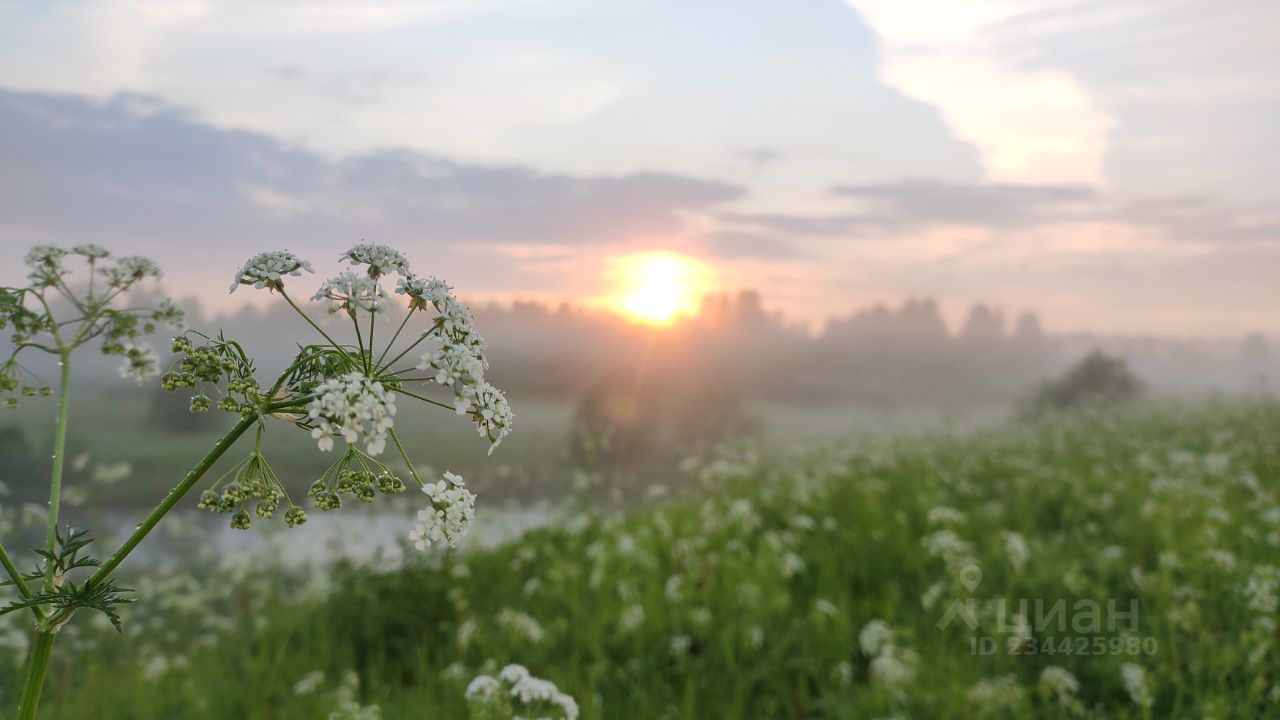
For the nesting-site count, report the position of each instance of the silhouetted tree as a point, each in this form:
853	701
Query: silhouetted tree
1097	380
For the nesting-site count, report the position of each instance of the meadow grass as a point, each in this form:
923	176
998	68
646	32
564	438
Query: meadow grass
754	591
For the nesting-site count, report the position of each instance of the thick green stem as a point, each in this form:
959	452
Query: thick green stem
172	499
55	479
37	666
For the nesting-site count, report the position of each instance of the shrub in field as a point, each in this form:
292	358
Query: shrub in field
342	393
1097	379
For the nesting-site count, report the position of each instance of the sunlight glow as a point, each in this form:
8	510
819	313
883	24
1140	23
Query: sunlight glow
656	288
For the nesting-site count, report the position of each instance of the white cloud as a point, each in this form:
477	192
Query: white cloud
1030	125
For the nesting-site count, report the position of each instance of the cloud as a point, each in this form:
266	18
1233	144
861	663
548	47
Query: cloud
1190	87
133	168
914	206
1031	124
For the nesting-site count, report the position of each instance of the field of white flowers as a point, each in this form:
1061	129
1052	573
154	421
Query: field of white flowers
1120	565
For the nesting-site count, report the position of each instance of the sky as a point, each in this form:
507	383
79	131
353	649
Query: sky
1108	164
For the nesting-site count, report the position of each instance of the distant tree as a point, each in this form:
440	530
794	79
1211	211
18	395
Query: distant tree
983	327
1096	380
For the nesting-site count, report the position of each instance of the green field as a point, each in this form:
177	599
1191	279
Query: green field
1117	565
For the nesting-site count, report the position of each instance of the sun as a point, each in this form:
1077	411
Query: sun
656	288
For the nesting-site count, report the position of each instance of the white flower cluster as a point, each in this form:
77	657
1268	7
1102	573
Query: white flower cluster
514	685
1136	684
893	667
355	408
488	409
1261	589
349	292
266	269
448	516
128	270
423	290
460	362
90	251
140	362
45	262
1058	682
380	259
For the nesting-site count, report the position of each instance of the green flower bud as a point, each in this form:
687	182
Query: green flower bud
240	521
390	484
364	491
317	487
295	516
235	491
327	501
200	404
209	500
267	508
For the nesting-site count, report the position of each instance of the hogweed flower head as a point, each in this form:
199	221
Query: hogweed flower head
267	270
352	293
381	259
347	390
516	693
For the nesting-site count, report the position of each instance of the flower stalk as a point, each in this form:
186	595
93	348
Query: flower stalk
336	392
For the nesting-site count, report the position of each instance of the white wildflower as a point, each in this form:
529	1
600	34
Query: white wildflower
448	517
1135	683
521	624
943	515
45	262
381	259
1224	559
1015	546
128	270
354	408
792	565
309	683
91	251
993	695
267	270
1260	590
632	618
1059	683
894	667
874	636
680	645
488	409
424	291
516	686
455	365
350	293
483	687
